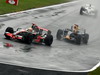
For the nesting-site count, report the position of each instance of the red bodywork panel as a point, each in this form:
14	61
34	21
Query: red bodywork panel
9	34
43	28
38	39
13	36
40	27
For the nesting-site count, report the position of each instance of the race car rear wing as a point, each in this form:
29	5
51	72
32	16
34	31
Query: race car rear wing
34	25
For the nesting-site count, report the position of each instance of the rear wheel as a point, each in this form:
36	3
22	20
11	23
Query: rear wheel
59	34
85	39
27	38
48	40
81	11
10	30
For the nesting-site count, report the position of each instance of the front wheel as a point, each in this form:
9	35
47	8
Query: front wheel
59	34
48	40
10	30
27	38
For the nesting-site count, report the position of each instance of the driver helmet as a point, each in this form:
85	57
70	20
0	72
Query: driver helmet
76	26
29	29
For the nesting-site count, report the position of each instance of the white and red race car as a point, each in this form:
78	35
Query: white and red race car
35	36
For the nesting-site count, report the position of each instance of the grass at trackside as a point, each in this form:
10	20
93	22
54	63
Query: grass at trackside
96	72
27	4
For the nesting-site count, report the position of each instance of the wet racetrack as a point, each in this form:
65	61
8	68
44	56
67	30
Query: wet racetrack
61	56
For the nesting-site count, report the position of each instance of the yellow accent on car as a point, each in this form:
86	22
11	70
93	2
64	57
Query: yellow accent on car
67	37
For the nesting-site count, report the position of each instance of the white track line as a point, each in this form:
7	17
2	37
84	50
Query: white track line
92	69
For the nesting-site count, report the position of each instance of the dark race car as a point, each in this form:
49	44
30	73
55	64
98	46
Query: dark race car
67	34
34	34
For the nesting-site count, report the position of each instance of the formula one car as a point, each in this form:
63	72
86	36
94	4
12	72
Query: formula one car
69	35
36	35
88	9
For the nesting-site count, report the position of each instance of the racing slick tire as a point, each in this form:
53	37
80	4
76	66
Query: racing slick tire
81	11
85	39
49	32
10	30
27	38
59	34
78	39
48	40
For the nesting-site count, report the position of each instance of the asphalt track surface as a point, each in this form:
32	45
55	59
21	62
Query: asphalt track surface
61	56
